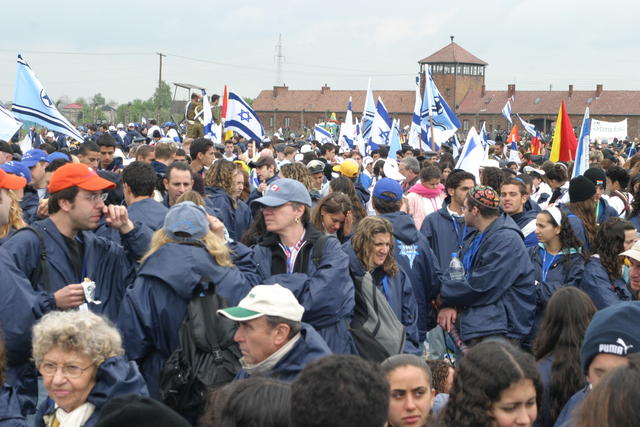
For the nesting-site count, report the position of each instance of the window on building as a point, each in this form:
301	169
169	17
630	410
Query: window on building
287	122
270	122
465	125
448	90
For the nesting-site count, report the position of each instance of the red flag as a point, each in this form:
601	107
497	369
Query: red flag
565	142
535	146
225	96
513	136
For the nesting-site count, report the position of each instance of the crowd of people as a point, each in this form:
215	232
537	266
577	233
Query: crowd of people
153	277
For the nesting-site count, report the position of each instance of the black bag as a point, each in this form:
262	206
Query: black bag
206	357
41	272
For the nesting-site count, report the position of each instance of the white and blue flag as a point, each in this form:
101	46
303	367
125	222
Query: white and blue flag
212	131
322	135
435	110
242	119
455	146
347	130
529	127
359	140
31	103
506	110
368	113
582	151
381	128
415	132
472	154
394	139
632	150
483	134
9	125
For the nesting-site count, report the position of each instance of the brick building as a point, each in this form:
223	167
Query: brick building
460	77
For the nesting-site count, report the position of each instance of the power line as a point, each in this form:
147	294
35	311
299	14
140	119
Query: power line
58	52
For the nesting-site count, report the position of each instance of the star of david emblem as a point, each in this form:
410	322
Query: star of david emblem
45	99
326	139
245	116
384	135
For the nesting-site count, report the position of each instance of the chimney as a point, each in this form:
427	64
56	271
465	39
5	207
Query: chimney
278	90
484	90
598	90
511	90
570	90
324	89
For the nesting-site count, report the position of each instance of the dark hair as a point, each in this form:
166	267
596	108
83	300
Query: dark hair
140	177
568	239
327	146
345	185
609	243
619	175
396	361
430	172
257	401
340	390
488	369
48	148
440	373
334	203
55	165
561	332
88	146
181	166
215	97
454	180
257	229
386	206
199	145
585	210
378	168
557	173
66	194
522	188
492	177
106	140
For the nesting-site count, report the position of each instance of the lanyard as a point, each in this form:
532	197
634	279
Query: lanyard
464	231
597	211
470	255
292	253
547	262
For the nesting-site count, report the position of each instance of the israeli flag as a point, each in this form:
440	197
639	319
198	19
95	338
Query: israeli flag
359	140
472	154
415	132
346	137
530	128
242	119
212	131
368	113
394	139
582	152
632	150
381	128
31	103
506	110
456	146
483	135
9	125
435	110
322	135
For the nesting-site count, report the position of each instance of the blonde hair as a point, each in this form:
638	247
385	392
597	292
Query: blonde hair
191	196
299	172
362	243
213	244
15	216
81	331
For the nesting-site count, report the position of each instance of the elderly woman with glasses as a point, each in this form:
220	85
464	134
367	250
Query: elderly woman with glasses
81	360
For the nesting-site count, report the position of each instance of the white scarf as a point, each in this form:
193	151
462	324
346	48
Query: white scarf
271	361
76	418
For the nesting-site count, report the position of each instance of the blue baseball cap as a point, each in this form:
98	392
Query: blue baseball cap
388	185
284	190
34	156
186	222
57	155
17	168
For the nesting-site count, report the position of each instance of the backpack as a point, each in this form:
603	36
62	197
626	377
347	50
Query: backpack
41	272
206	356
375	328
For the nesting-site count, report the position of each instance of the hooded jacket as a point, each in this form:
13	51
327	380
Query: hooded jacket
325	291
498	295
29	204
416	258
308	348
559	273
115	377
605	211
399	295
596	283
10	412
148	212
237	220
526	220
155	305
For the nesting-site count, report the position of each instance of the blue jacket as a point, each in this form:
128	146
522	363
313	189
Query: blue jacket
255	194
10	412
564	419
159	168
148	212
129	137
155	305
325	291
399	294
605	211
498	296
237	220
309	347
596	283
443	237
544	366
635	220
29	204
526	220
577	226
115	377
559	274
362	192
416	258
532	205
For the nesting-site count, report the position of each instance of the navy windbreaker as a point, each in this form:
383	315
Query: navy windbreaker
596	283
148	212
237	220
526	220
558	275
10	412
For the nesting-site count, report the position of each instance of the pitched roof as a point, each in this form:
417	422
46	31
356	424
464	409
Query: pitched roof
327	100
544	102
452	53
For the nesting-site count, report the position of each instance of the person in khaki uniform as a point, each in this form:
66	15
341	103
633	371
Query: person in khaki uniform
195	128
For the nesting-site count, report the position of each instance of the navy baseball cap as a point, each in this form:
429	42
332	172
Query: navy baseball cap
284	190
186	222
34	156
388	185
56	155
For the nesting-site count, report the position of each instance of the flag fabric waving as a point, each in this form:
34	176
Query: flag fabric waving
415	132
381	127
564	144
31	103
9	125
322	135
394	140
530	128
582	152
436	110
347	130
242	119
536	147
472	154
211	129
513	137
506	110
368	113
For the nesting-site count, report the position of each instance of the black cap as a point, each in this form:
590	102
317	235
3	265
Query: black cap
5	147
580	189
264	161
132	410
597	176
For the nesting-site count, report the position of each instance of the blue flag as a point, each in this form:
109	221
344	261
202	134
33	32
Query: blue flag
506	110
322	135
31	103
582	152
381	128
436	110
394	140
242	119
368	113
9	125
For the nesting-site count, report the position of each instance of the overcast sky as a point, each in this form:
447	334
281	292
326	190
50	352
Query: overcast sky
78	48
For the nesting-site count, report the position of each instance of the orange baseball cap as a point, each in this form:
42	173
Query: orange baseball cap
11	182
78	175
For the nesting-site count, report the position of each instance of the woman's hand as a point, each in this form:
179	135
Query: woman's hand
347	228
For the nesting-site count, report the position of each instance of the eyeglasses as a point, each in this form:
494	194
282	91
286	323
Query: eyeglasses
94	197
69	371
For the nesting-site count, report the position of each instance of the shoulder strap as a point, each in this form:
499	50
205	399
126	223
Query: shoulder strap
202	304
624	199
41	272
318	249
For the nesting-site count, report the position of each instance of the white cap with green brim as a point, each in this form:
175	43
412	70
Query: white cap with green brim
265	300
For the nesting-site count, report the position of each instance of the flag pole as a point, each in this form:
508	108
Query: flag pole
433	142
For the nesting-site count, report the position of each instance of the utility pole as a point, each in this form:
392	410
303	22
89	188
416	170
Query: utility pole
279	57
160	55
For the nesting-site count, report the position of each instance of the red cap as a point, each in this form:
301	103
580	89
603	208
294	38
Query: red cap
78	175
11	182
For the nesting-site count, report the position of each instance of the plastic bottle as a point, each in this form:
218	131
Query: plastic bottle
456	269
